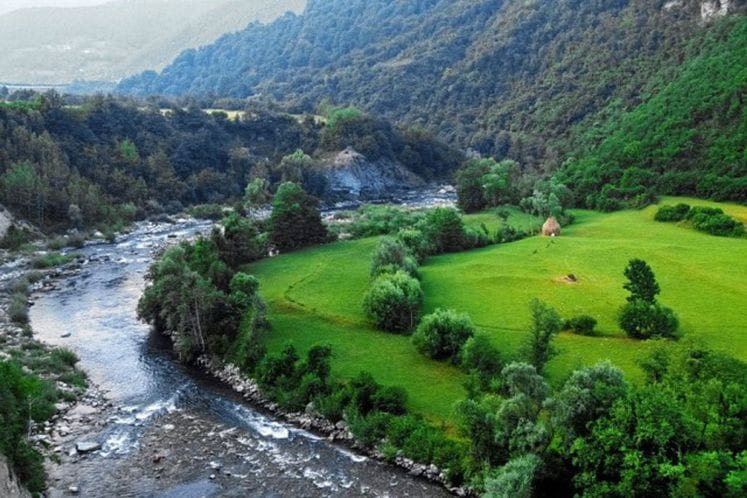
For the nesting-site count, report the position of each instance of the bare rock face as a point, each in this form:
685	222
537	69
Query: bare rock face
351	176
9	485
711	9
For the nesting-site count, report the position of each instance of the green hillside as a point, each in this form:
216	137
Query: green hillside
314	297
540	82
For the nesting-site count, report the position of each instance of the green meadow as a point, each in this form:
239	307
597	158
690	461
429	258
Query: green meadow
314	297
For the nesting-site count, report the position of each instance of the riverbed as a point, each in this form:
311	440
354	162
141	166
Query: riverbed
167	430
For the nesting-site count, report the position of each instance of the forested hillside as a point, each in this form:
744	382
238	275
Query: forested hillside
106	160
52	45
538	81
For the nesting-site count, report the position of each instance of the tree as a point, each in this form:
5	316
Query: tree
482	361
546	323
393	302
257	194
445	229
585	397
644	320
295	221
442	334
390	256
641	283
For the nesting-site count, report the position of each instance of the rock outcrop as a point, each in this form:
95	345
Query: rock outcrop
9	485
711	9
350	176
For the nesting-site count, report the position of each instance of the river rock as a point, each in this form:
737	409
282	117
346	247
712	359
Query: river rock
87	446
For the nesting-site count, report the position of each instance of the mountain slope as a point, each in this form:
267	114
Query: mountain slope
510	79
107	42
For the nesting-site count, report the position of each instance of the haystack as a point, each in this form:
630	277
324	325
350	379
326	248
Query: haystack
551	228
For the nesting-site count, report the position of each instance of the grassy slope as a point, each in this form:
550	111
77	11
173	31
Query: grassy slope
314	297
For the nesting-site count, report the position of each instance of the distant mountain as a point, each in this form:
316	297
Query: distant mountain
48	45
507	78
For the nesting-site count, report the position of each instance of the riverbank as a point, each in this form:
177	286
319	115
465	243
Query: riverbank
339	432
154	443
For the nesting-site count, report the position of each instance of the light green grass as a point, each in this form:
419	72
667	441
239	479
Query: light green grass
314	297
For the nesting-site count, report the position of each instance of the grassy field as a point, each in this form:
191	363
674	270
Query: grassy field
314	296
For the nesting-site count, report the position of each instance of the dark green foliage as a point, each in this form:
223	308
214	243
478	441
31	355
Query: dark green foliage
392	256
581	324
16	237
715	222
672	213
643	317
201	303
445	229
239	241
641	282
393	302
293	383
23	399
370	220
643	320
50	260
442	334
417	243
546	324
628	83
295	221
482	361
682	138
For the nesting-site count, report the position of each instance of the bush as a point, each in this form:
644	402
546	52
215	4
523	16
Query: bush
715	222
295	221
445	229
18	309
582	325
417	243
393	302
372	220
16	237
392	256
50	260
644	320
672	213
442	334
482	361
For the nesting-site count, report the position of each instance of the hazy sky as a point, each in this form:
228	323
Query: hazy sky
8	5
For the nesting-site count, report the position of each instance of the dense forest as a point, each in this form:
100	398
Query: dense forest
537	82
104	160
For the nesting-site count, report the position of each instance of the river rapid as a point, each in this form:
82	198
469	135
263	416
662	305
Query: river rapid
167	430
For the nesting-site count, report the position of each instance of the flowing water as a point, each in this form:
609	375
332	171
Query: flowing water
93	312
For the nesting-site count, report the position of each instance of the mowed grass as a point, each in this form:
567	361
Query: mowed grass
314	297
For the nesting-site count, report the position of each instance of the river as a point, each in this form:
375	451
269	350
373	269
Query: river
171	431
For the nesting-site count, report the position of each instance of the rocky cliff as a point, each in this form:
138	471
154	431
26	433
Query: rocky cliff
350	176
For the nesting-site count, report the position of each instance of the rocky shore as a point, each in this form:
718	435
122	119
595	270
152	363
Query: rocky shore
310	421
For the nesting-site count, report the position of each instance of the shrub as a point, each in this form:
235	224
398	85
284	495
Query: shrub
582	324
369	430
672	213
295	221
445	229
417	243
715	222
482	360
16	237
442	334
644	320
50	260
392	256
390	399
371	220
393	302
18	308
